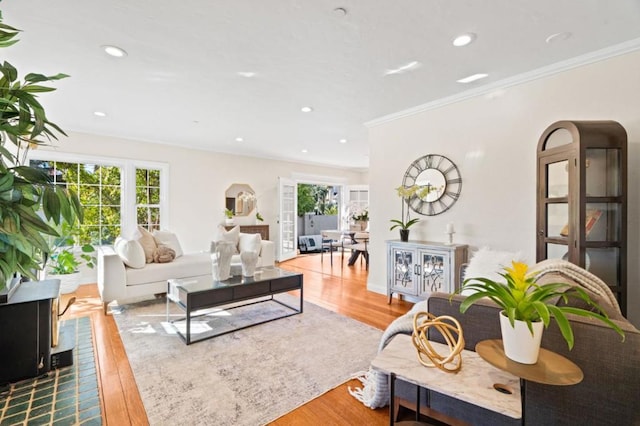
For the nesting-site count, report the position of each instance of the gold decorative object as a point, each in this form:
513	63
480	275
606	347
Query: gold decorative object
448	327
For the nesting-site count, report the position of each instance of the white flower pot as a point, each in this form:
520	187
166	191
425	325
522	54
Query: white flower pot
68	282
519	344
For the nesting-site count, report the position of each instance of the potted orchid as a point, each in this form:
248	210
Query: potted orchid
405	222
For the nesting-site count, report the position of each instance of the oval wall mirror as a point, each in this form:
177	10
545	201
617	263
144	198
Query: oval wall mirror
240	198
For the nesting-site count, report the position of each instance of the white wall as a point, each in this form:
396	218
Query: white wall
493	141
198	180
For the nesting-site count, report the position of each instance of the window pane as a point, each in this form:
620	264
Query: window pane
89	174
110	195
154	195
154	177
143	216
109	234
141	195
154	213
141	177
110	215
89	195
110	175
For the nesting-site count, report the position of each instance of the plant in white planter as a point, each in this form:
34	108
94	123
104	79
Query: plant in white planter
228	214
66	257
527	306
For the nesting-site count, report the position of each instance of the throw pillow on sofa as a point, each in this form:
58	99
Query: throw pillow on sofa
249	242
233	235
163	254
148	243
131	252
168	239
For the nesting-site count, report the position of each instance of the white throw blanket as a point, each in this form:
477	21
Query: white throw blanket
581	276
375	390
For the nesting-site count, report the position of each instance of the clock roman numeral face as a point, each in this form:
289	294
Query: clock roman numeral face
437	184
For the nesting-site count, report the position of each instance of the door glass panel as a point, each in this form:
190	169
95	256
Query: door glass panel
603	173
604	263
558	220
556	251
433	273
602	222
403	268
558	179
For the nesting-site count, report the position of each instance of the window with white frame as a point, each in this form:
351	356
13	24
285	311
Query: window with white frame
148	198
116	195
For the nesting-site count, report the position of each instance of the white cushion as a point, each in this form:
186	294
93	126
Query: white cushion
249	242
488	263
131	252
232	235
168	239
189	265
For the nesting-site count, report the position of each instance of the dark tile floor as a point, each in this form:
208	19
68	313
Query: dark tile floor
67	396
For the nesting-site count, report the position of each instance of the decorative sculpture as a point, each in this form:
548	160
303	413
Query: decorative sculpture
221	253
421	323
249	262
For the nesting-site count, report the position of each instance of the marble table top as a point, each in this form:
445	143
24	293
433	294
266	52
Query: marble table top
473	383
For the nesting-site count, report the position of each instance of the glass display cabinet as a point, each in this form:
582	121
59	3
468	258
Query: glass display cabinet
582	199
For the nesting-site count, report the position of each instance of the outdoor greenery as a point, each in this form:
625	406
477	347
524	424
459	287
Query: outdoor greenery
524	300
316	199
29	201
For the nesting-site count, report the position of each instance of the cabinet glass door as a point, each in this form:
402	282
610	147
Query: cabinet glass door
403	270
553	234
434	272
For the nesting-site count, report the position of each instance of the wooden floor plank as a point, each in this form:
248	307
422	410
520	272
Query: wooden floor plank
340	289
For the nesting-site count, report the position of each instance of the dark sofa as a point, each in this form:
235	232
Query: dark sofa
608	395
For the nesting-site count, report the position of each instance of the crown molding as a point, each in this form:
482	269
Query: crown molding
558	67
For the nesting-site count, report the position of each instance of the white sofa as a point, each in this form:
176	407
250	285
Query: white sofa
116	281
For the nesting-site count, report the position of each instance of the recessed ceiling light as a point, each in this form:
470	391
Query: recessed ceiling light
247	74
404	68
558	37
114	51
306	109
464	39
473	77
304	151
343	141
99	114
239	139
340	11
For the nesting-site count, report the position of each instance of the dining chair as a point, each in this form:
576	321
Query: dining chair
332	240
361	244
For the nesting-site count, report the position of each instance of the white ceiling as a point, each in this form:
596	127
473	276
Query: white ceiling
180	85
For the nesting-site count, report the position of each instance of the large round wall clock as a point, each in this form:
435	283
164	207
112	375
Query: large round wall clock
435	182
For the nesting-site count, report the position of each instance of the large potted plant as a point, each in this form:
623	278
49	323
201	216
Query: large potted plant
28	198
528	306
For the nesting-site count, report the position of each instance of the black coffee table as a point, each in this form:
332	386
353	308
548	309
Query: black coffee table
196	294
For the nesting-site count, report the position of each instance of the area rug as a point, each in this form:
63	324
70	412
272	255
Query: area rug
248	377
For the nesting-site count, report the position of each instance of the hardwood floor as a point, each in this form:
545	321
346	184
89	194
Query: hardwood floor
339	289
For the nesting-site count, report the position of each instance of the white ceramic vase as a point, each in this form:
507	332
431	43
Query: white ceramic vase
221	260
249	262
519	344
